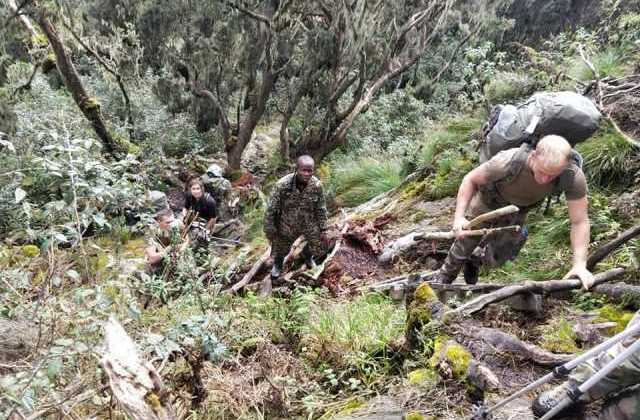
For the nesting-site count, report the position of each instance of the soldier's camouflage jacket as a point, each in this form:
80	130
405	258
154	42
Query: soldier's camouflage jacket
291	212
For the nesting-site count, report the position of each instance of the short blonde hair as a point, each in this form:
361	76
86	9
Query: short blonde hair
554	151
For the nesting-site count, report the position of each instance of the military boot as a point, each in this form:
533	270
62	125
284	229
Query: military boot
471	271
547	400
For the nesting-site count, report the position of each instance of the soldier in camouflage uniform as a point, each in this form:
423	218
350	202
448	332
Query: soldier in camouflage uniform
524	177
620	388
296	207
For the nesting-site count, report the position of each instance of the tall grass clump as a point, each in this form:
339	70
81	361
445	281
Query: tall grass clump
609	160
354	182
355	335
608	63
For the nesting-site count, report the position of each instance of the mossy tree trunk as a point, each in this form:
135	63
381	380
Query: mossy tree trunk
88	105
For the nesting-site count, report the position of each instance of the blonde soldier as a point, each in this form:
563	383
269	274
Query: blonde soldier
296	207
524	177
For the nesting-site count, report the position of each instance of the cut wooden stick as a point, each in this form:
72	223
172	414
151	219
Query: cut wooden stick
495	214
251	273
606	249
435	236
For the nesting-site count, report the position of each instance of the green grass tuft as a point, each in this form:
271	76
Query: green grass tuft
355	334
354	182
608	63
608	159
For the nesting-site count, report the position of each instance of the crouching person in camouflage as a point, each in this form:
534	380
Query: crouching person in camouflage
620	389
525	177
160	238
296	207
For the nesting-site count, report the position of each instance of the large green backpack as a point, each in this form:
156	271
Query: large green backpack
566	114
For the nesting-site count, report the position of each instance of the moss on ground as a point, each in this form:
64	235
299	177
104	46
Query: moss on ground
559	337
612	313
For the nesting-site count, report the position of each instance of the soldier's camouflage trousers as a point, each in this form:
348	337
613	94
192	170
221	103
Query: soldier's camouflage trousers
620	388
281	245
492	250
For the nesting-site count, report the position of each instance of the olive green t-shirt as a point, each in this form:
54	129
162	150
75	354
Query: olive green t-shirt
523	190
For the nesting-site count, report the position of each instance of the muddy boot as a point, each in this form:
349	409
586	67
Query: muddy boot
471	271
547	400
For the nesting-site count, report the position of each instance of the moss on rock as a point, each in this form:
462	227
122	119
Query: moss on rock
450	358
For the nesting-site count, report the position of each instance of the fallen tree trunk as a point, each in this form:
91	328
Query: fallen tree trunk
621	292
549	286
606	249
493	340
134	382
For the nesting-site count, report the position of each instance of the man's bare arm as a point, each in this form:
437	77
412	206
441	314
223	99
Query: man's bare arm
468	187
580	233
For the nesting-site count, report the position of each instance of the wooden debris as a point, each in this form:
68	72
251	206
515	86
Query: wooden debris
435	236
621	292
606	249
251	273
498	341
548	286
491	215
134	382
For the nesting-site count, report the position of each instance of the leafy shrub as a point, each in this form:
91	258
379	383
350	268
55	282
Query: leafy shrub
391	123
507	87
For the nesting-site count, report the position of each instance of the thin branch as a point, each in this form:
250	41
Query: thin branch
596	75
17	13
250	13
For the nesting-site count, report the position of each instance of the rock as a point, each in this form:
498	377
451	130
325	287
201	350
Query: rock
628	205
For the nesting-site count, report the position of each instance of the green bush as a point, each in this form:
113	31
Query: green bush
507	87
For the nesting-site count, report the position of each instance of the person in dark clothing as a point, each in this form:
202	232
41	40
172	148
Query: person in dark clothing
199	204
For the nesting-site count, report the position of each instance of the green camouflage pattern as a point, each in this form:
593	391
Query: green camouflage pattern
291	213
620	388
